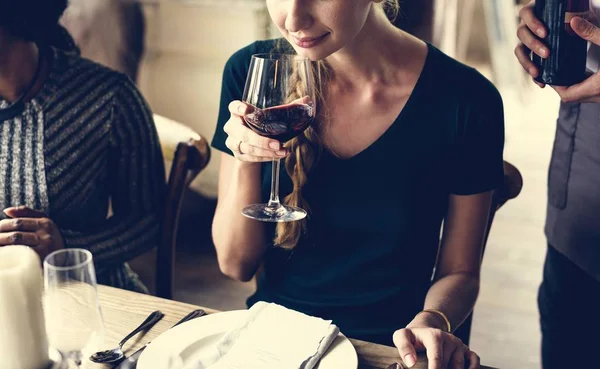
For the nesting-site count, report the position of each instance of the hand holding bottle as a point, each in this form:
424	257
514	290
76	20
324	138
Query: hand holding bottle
532	32
588	90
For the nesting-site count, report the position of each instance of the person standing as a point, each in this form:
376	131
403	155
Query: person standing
571	278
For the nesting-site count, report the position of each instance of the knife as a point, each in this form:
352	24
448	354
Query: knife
131	361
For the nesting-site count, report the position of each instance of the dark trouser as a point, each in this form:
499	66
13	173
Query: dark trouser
569	304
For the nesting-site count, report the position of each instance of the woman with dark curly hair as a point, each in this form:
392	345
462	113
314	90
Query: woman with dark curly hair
75	137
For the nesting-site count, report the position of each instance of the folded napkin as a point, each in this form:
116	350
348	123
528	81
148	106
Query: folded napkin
272	337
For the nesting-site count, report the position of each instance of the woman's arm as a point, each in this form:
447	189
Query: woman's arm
456	281
240	242
454	290
476	170
137	187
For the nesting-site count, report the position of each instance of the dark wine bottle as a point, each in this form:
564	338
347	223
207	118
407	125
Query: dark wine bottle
568	52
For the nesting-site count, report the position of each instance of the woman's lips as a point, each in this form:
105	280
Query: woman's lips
308	42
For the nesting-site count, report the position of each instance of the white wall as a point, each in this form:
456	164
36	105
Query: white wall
188	43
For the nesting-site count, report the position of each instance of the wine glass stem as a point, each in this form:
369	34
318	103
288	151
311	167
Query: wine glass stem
274	203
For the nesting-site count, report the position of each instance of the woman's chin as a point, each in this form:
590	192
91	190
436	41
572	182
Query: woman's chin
313	54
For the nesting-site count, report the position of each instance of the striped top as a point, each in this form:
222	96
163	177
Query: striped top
85	140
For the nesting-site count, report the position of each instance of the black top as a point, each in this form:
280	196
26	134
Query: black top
375	219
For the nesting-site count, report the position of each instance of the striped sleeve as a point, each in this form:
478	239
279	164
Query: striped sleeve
137	187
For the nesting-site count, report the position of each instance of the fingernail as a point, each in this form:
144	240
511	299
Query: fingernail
543	50
281	152
242	109
274	145
409	360
540	32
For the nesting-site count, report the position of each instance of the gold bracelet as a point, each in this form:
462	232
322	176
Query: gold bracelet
434	311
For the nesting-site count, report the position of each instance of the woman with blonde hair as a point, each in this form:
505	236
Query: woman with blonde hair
405	139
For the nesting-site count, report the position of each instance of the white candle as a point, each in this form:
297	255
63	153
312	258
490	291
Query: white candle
23	341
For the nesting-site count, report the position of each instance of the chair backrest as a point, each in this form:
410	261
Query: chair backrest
511	188
189	157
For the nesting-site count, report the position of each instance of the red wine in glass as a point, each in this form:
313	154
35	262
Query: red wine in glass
281	123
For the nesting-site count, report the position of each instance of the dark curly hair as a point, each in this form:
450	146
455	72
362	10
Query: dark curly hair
37	21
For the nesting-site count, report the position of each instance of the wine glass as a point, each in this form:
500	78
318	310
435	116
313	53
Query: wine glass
71	306
280	88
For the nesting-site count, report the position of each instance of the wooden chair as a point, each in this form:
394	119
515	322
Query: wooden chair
513	183
190	153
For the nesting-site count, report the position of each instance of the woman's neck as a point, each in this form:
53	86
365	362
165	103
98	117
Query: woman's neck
18	66
370	58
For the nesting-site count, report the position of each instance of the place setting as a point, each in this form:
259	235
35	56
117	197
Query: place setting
265	336
54	319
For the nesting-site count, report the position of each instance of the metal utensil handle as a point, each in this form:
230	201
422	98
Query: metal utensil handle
149	322
194	314
136	355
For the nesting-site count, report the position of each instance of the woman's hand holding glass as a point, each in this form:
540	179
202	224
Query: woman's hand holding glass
247	145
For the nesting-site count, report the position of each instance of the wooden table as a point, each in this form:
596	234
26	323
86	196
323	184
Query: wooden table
124	310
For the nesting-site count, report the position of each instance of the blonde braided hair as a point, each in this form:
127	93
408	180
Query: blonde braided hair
306	148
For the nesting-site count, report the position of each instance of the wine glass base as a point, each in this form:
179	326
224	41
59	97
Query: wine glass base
282	213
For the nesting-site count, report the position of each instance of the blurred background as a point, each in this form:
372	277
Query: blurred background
176	50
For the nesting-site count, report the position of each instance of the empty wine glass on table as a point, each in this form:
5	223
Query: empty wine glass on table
280	88
71	306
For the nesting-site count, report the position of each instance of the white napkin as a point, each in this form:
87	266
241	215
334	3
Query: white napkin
272	337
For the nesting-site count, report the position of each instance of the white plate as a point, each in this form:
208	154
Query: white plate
191	339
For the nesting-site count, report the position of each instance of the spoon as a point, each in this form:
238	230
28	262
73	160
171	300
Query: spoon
131	361
116	354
